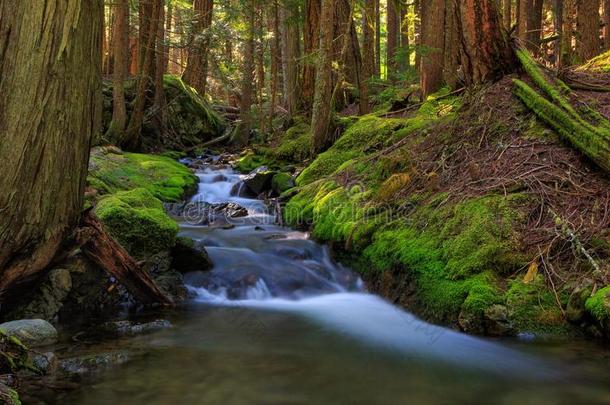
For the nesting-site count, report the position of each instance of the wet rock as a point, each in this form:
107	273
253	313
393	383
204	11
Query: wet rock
497	322
187	257
169	280
241	190
46	363
89	364
493	321
259	181
47	299
203	213
128	328
576	310
31	332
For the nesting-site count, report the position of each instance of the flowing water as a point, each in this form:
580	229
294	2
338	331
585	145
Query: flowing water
277	321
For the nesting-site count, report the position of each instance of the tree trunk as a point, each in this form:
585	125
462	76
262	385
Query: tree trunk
169	19
290	56
50	104
404	38
587	29
147	51
451	60
378	38
433	39
606	25
558	26
196	72
322	105
392	41
535	27
243	132
507	15
417	30
525	11
569	23
116	129
368	44
485	53
275	60
311	42
160	65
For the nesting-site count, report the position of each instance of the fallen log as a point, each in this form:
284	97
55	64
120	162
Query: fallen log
104	251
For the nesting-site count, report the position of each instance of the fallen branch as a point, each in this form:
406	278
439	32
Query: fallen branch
103	250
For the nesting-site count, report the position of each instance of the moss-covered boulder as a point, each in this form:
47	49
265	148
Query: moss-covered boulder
111	171
138	221
191	120
598	306
282	182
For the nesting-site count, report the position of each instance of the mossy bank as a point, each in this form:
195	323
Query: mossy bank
410	202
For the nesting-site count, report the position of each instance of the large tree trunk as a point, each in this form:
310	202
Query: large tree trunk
50	109
433	38
404	38
116	129
311	42
273	21
196	72
507	16
322	105
558	26
378	38
569	23
485	53
587	29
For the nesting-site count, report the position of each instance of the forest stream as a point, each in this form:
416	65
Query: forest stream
278	321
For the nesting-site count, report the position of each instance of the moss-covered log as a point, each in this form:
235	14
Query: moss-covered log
584	128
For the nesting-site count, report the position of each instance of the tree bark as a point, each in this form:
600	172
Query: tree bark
525	11
433	38
133	134
275	59
378	38
507	15
116	129
160	65
104	251
322	105
196	72
392	41
290	56
311	42
558	26
50	108
404	38
606	25
243	132
368	44
569	23
587	29
485	54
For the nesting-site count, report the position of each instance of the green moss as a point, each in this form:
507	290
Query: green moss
173	154
295	144
251	160
282	182
533	307
137	220
600	63
165	178
599	305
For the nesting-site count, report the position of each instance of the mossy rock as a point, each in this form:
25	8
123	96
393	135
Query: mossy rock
137	220
165	178
281	183
598	306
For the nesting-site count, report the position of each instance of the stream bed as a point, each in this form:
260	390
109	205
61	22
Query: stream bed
277	321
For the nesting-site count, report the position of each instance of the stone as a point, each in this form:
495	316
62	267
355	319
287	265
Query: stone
282	182
88	364
47	299
31	332
575	309
128	328
46	363
187	257
259	180
497	322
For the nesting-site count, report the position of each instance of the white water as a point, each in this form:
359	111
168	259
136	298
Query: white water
290	273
